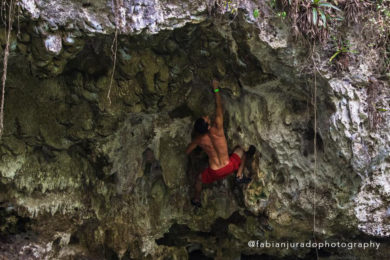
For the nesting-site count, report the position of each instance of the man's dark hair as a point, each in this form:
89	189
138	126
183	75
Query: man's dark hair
201	126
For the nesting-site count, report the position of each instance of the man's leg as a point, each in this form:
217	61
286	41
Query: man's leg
198	188
243	155
240	152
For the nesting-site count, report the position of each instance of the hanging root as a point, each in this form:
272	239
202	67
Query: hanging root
9	19
114	47
315	153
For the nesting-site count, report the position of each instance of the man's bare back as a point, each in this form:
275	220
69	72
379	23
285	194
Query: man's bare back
211	138
215	145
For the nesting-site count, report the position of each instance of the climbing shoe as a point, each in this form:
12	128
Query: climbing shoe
196	203
243	180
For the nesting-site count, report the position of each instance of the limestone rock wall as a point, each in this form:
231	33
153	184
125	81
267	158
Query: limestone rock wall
81	177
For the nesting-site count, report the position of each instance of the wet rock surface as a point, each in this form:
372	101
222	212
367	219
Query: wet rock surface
84	179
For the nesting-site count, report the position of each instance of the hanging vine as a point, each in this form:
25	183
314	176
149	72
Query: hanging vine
7	16
116	4
315	152
314	104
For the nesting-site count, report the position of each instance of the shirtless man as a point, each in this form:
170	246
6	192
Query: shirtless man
211	138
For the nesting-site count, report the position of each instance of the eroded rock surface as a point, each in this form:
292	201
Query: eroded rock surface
82	178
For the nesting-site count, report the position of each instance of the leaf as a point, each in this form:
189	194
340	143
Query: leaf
256	13
325	4
382	109
323	17
334	55
315	16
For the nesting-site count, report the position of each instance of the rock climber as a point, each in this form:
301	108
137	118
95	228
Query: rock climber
211	138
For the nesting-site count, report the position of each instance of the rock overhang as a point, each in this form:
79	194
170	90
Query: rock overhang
166	72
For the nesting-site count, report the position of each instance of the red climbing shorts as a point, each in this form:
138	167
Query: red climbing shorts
210	175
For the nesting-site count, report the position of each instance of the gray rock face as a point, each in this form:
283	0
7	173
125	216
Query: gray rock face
100	16
80	177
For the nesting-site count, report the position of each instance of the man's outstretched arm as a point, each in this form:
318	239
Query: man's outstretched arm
218	103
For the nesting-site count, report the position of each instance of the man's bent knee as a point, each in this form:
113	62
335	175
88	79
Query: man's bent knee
239	151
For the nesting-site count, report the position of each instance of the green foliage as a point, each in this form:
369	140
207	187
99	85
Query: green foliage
311	18
377	30
282	14
343	47
381	17
256	13
374	15
230	6
319	8
382	24
273	5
